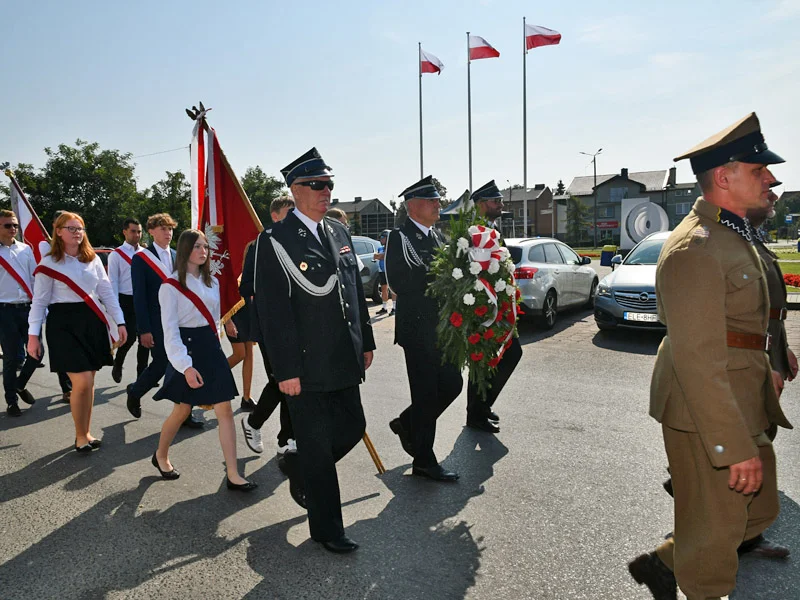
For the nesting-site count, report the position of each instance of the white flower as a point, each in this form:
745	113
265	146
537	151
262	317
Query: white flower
511	290
475	267
462	243
478	287
504	253
469	299
510	266
494	266
458	273
500	285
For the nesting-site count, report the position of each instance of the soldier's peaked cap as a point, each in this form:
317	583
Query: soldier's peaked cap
741	142
424	188
308	166
488	191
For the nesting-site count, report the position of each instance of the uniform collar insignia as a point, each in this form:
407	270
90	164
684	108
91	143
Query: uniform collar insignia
302	232
419	235
740	225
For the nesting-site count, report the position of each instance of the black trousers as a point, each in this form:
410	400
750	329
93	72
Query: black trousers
142	353
155	370
327	425
434	386
13	334
271	397
478	407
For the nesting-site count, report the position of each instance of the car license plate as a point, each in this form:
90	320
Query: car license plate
646	317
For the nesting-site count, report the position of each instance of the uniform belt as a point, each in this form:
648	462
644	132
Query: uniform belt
749	341
15	304
778	314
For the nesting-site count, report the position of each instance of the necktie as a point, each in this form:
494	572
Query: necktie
321	234
167	256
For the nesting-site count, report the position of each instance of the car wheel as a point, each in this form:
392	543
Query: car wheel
549	310
592	294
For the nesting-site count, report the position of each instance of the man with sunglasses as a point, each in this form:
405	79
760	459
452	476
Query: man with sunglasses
314	322
489	205
17	263
408	255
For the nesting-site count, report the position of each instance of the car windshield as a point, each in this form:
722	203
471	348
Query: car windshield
645	253
516	253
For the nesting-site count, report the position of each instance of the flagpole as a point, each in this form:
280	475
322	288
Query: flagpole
419	61
469	115
524	131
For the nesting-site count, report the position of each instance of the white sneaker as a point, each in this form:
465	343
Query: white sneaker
252	437
291	446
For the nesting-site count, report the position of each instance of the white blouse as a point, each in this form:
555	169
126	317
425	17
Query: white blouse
21	258
89	276
178	311
119	271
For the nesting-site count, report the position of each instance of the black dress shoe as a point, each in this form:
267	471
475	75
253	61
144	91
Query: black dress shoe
649	570
492	416
342	545
116	373
435	472
193	423
248	405
134	404
247	486
165	474
482	424
95	444
396	425
85	449
761	546
26	397
14	411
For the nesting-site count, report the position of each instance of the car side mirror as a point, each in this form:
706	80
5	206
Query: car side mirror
585	260
616	261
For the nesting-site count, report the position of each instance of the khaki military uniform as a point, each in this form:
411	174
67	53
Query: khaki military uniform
714	401
779	351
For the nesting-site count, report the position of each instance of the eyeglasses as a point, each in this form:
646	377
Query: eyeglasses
73	229
317	185
11	225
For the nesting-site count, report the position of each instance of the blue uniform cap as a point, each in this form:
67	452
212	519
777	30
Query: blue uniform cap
424	188
308	166
488	191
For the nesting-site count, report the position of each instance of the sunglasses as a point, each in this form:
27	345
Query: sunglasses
11	225
317	185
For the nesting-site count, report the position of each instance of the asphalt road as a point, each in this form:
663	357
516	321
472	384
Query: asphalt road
553	507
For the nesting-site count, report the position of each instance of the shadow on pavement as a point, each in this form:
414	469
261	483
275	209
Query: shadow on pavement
413	546
629	340
531	331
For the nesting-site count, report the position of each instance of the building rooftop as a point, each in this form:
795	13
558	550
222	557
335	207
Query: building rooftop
652	180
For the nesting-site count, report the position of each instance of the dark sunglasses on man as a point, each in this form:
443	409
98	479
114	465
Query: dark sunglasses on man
317	185
11	225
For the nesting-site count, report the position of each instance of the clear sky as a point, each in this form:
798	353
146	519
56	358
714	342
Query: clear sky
642	80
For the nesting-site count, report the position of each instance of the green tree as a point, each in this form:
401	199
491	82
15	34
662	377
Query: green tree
97	184
262	189
172	194
578	220
400	215
443	201
560	189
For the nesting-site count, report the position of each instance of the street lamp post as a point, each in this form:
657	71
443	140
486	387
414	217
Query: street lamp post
594	190
513	218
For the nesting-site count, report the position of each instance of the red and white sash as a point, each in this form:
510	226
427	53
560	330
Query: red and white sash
17	276
84	295
195	299
158	267
125	257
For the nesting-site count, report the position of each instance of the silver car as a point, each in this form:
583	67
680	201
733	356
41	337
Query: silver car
626	297
365	248
551	276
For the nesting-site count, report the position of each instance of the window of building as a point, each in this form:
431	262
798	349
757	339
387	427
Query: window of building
617	194
605	212
683	208
519	212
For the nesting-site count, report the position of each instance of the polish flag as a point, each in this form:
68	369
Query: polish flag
536	35
480	48
428	63
33	232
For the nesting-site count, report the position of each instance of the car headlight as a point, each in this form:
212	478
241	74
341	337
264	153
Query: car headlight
604	289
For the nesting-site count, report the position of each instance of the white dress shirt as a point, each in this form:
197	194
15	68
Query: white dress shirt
90	276
178	311
310	223
44	248
165	256
119	271
21	258
423	229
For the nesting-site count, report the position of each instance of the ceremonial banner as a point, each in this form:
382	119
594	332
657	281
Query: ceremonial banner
428	63
536	36
221	209
480	48
31	228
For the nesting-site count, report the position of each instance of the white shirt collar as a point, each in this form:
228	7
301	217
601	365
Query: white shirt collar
424	229
308	222
129	247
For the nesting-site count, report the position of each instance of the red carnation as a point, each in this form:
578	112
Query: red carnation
474	338
476	356
518	295
511	317
488	334
481	310
494	362
456	319
505	306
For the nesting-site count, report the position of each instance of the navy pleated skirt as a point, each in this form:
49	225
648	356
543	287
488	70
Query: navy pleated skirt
77	340
209	360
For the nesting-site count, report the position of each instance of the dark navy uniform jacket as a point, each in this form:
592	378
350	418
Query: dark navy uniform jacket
310	307
409	253
146	284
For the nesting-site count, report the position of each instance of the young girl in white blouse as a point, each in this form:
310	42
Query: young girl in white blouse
198	372
68	284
